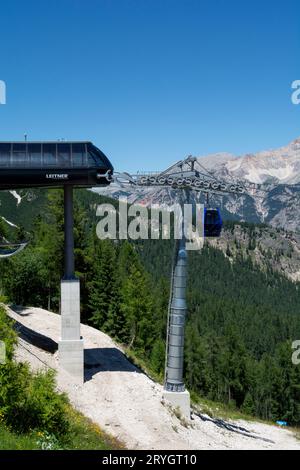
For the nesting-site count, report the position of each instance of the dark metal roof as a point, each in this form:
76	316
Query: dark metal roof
45	142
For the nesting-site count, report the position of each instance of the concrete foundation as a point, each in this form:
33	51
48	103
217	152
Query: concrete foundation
71	358
70	347
180	400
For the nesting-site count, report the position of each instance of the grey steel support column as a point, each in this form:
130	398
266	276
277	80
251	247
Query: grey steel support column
71	343
69	232
178	310
174	388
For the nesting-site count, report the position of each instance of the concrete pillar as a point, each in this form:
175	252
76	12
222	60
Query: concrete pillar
71	344
70	347
69	232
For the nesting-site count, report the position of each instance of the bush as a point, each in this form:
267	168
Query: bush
28	401
24	279
157	358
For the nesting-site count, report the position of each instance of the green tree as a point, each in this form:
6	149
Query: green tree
103	283
25	279
137	306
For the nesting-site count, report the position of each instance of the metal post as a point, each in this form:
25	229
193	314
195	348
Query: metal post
69	232
178	309
174	388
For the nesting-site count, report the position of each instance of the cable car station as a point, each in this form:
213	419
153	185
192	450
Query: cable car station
48	164
52	165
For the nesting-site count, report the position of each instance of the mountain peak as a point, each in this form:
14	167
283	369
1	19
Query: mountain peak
281	166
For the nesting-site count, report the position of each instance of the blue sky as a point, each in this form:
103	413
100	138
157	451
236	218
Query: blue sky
151	81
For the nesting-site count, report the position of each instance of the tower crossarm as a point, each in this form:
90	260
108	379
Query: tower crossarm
185	174
192	180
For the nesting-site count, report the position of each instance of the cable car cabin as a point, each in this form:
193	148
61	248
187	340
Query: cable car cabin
212	223
39	164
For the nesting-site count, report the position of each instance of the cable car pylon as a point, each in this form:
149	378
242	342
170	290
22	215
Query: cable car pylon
187	176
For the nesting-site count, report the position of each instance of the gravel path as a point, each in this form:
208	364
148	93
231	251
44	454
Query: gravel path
128	405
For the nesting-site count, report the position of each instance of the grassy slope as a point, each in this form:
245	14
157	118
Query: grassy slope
12	441
84	435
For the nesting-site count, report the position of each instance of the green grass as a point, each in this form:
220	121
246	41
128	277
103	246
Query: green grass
86	435
83	435
12	441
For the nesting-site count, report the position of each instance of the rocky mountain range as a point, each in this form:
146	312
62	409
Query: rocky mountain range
276	166
266	246
275	199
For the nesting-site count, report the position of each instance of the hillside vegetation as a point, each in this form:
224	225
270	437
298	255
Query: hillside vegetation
243	313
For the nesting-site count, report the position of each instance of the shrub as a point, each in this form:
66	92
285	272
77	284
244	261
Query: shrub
28	401
157	358
21	269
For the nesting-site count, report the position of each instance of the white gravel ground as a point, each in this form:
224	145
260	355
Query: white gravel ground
127	404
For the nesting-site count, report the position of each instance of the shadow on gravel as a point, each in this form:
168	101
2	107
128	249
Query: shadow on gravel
106	359
220	423
20	310
95	359
37	339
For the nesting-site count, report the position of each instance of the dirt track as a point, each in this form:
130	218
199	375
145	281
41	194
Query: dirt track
127	404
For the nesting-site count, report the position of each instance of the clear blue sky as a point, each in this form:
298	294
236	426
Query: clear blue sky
151	81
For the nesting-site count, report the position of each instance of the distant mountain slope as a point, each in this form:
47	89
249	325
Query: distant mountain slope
277	202
279	166
21	207
267	247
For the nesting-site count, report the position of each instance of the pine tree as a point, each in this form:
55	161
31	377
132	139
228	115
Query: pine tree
157	356
101	287
137	307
